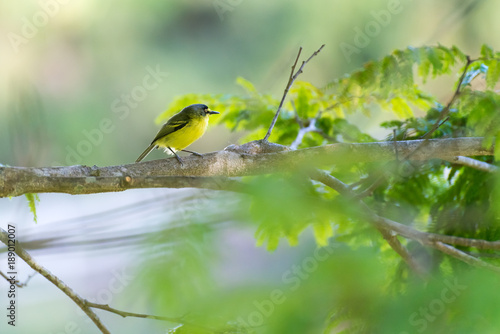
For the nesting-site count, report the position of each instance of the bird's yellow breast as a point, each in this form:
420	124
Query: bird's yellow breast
182	138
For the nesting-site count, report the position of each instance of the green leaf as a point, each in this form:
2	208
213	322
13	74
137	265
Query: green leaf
493	73
435	61
389	71
285	207
32	199
401	108
447	56
247	85
322	232
424	66
306	99
458	54
487	51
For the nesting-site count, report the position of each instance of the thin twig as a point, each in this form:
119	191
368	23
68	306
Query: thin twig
462	256
124	314
446	110
398	247
429	239
178	320
404	230
386	232
18	283
56	281
473	163
302	132
296	115
291	79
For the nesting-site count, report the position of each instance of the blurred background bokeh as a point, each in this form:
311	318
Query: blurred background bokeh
81	82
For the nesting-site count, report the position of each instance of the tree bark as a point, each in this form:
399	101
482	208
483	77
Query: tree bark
253	158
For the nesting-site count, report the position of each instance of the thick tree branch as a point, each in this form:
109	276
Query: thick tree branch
253	158
56	281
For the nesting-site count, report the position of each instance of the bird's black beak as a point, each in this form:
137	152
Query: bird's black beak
211	112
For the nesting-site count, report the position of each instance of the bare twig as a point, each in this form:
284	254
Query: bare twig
302	132
18	283
446	110
291	79
462	256
56	281
84	304
473	163
396	245
124	314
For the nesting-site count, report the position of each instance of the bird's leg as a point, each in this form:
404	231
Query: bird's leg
192	152
178	157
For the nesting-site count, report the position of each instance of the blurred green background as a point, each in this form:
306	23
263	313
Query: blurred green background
76	87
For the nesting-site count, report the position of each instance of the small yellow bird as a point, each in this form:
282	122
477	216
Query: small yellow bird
181	130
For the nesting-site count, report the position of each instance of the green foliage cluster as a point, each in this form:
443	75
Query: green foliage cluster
394	84
435	196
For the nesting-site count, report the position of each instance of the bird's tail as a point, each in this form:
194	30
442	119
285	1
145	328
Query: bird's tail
146	152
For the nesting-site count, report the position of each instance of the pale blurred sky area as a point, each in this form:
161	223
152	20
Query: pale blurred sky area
81	82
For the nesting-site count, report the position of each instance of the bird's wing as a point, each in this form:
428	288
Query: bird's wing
174	124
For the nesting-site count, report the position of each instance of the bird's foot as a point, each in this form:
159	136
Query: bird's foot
179	159
192	152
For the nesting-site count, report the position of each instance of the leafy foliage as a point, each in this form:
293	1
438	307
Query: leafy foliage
32	199
308	208
390	84
434	196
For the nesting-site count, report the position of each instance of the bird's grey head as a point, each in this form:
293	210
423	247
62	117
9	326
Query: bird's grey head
199	109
